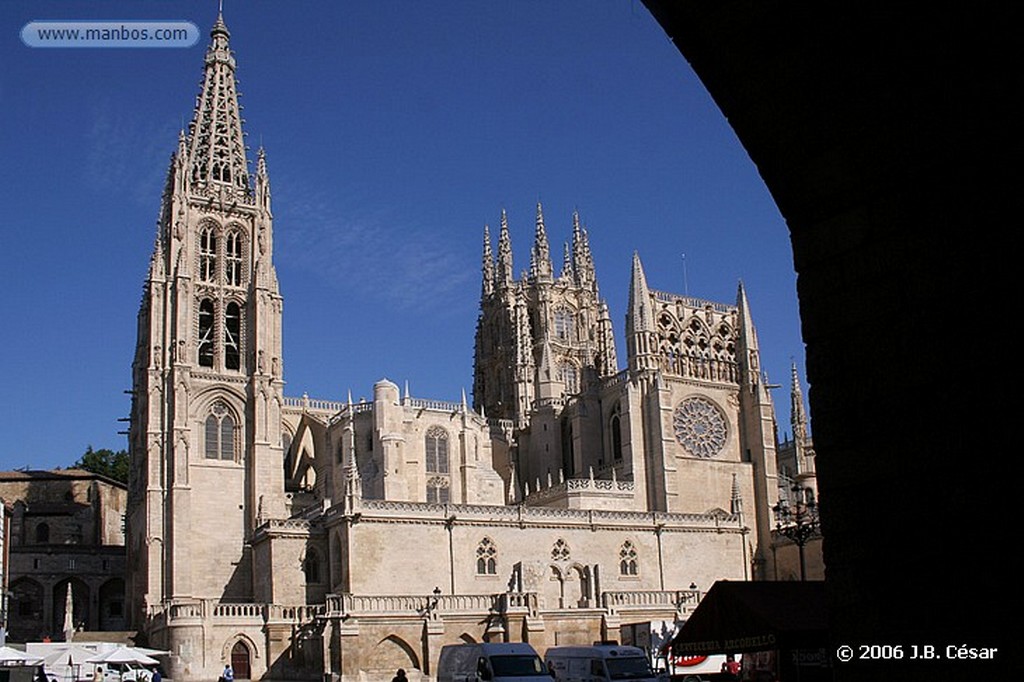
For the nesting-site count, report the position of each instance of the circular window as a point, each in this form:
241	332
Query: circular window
700	427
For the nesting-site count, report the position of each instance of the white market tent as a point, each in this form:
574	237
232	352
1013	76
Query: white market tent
123	654
10	657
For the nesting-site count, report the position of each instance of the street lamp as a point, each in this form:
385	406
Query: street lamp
798	522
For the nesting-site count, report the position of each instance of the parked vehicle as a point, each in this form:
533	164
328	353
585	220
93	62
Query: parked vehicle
503	662
600	663
126	672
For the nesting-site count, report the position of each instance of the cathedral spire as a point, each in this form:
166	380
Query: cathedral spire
540	257
639	320
262	180
488	263
797	415
216	154
748	353
504	253
582	265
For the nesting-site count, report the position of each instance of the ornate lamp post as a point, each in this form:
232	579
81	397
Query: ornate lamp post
799	521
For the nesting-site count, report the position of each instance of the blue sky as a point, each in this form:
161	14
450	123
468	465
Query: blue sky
394	132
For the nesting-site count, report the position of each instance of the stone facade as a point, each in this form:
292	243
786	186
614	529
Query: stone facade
296	537
66	532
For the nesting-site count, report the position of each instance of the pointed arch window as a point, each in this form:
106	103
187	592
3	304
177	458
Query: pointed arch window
438	485
42	533
570	376
207	255
628	562
206	333
438	490
233	259
486	558
565	326
437	450
311	566
219	433
616	438
232	333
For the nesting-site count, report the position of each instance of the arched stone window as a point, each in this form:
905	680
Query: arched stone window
42	533
437	450
233	259
205	333
565	326
207	255
560	550
438	490
438	483
570	376
311	566
628	561
486	558
616	436
232	335
220	434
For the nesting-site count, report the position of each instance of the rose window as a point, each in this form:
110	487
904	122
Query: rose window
700	427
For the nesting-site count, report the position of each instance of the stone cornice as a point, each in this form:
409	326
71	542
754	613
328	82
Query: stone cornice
419	513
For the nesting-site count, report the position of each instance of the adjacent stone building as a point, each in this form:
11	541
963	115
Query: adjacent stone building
66	532
296	537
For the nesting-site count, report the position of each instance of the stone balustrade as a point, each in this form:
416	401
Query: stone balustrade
677	599
421	605
317	404
691	302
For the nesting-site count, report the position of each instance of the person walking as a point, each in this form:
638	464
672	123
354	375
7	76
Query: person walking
228	675
400	676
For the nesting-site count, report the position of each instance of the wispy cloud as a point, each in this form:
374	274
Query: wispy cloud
373	253
128	154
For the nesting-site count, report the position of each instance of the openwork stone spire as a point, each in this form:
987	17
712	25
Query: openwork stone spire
488	263
797	415
504	253
540	257
216	153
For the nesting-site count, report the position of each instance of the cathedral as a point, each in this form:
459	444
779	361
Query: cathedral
294	538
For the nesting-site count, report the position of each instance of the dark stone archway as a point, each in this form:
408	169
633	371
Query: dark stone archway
885	133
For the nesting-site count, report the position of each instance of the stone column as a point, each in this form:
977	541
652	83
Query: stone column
433	640
348	650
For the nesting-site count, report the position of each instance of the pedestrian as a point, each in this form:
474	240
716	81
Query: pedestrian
228	675
400	676
157	677
731	667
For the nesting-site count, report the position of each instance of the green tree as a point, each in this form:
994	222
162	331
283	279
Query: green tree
105	463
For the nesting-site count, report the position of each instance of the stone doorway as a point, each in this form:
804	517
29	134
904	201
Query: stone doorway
240	661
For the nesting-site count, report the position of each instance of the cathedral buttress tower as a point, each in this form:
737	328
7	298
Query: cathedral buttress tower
205	439
757	419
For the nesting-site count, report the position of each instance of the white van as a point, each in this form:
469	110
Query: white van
600	663
504	662
125	672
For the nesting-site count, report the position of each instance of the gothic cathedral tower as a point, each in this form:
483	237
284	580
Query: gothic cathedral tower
540	340
544	335
205	437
